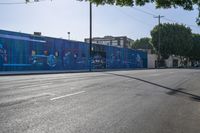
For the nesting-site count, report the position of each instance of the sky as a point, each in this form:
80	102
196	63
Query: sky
58	17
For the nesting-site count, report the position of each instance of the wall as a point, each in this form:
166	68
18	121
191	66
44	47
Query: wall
169	62
151	60
20	51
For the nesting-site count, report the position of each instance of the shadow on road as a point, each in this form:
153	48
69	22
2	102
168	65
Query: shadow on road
172	91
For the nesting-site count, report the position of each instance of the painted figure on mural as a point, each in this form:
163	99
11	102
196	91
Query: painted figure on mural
3	55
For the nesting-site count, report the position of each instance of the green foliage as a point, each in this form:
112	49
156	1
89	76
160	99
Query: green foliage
143	43
195	51
175	39
185	4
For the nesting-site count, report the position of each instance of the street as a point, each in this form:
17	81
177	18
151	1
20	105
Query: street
134	101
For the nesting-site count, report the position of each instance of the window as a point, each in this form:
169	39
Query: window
114	42
121	42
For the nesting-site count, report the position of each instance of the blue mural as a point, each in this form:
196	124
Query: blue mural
19	51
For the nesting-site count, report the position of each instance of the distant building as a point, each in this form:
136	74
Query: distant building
120	41
172	62
37	33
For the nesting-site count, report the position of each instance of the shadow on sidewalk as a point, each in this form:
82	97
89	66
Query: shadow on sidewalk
172	91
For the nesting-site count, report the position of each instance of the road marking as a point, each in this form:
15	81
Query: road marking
68	95
23	99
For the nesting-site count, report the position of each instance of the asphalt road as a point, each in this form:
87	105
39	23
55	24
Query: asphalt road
138	101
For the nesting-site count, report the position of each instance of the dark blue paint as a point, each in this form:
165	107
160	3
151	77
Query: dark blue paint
19	51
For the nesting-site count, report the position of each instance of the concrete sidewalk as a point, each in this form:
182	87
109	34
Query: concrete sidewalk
7	73
35	72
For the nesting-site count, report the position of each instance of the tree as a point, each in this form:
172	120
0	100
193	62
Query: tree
143	43
185	4
175	40
195	51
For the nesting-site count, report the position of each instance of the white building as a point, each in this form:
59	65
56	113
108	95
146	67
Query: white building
120	41
151	60
171	62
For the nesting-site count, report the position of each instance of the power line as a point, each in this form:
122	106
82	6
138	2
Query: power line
148	13
173	21
133	17
12	3
140	10
167	19
25	2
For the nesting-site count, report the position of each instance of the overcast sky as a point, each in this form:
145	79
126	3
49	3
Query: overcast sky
57	17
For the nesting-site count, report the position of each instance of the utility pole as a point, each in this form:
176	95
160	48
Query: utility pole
159	17
90	45
68	35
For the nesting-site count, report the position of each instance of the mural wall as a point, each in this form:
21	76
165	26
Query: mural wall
20	51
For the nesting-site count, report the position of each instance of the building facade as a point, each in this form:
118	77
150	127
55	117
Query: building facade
120	41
